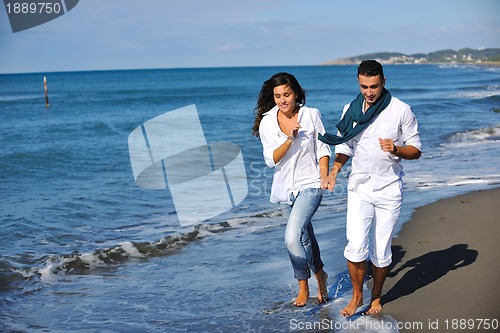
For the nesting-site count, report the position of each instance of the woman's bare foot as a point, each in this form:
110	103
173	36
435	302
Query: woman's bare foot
350	309
303	295
322	277
375	306
302	298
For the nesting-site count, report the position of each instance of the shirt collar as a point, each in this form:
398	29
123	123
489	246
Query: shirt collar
274	110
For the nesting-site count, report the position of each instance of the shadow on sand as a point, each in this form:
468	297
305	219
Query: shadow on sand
426	269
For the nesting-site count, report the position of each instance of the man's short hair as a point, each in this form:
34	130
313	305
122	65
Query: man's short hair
370	68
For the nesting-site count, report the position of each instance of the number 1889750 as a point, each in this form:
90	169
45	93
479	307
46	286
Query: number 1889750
33	8
471	324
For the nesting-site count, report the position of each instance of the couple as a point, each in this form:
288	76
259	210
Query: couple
377	131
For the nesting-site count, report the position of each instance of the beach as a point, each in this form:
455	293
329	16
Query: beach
444	274
74	222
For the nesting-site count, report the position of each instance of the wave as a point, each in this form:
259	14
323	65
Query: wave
482	66
487	134
413	90
458	181
15	98
9	275
479	94
75	263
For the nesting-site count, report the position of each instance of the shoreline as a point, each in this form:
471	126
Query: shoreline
444	264
484	63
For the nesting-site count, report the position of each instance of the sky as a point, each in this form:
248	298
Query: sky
131	34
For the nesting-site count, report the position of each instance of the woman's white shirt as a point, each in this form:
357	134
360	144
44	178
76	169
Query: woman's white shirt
299	167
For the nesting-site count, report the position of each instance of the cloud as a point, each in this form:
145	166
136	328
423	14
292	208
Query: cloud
230	47
117	34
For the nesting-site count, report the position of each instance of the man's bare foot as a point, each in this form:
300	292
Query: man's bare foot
375	307
322	277
302	298
350	309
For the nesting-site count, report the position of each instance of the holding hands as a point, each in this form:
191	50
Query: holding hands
329	182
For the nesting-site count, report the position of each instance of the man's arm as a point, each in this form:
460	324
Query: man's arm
338	163
407	152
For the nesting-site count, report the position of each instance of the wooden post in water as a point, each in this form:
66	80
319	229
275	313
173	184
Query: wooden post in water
46	92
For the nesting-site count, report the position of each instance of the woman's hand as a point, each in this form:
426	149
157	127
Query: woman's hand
338	163
328	182
294	131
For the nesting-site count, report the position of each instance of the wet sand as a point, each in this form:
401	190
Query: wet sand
445	272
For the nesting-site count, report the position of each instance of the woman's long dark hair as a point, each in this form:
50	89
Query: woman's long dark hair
266	102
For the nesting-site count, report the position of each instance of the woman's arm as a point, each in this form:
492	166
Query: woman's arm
281	150
323	170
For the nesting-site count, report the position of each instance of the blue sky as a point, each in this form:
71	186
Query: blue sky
127	34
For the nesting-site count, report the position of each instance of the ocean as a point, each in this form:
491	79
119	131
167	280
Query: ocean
83	248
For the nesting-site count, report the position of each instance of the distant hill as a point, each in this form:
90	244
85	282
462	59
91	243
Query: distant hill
468	56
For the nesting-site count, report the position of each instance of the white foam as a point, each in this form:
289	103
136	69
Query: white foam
47	274
88	258
490	179
491	91
482	134
131	250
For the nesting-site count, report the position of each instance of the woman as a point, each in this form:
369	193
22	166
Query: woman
289	131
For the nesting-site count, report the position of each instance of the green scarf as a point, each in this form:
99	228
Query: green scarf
355	114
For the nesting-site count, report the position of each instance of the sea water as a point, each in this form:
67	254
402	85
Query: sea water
84	249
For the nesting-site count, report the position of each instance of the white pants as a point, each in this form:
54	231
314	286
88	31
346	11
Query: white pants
374	212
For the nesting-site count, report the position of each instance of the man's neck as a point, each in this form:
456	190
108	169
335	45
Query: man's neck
365	106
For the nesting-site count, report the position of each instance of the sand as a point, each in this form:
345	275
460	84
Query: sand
446	272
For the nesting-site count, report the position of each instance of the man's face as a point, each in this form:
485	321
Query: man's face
371	88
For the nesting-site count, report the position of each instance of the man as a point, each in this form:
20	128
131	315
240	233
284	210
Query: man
377	130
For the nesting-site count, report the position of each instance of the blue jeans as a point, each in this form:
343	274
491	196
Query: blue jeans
300	241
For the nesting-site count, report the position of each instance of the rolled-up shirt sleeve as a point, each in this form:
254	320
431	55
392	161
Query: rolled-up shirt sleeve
322	149
409	129
269	142
344	149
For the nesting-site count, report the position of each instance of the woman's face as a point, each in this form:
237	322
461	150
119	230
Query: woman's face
285	97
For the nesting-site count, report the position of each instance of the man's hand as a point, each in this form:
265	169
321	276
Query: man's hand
386	145
328	182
